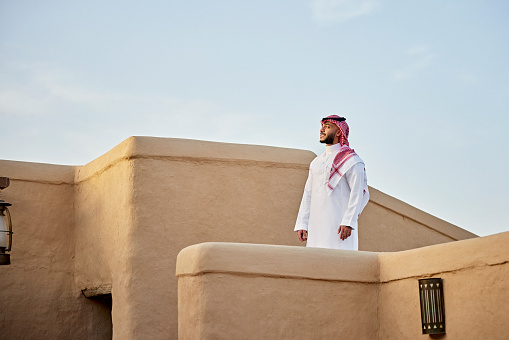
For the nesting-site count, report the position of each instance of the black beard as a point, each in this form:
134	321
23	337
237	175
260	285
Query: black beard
328	140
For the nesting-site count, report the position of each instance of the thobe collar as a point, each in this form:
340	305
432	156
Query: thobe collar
332	148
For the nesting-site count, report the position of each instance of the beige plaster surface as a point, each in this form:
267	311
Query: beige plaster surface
479	252
475	305
278	261
192	192
475	276
418	216
38	295
227	290
188	192
104	230
118	223
388	224
247	291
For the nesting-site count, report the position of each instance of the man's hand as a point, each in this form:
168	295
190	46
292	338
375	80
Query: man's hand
344	232
303	235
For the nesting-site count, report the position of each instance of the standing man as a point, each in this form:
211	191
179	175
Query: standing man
336	192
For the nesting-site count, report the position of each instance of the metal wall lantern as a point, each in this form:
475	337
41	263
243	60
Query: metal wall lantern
431	292
5	226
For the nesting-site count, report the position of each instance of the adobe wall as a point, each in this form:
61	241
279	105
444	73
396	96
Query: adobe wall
475	277
38	295
234	291
188	192
248	291
388	224
126	215
104	227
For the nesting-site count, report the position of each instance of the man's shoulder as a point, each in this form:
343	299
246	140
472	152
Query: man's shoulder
316	159
357	158
354	163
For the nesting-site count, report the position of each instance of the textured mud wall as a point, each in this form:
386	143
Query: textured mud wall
38	296
388	224
475	276
187	192
104	223
117	224
235	291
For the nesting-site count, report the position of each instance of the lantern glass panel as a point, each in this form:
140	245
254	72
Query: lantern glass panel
4	231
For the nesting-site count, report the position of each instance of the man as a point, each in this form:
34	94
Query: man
336	191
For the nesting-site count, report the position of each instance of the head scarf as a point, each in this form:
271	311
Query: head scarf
345	152
340	122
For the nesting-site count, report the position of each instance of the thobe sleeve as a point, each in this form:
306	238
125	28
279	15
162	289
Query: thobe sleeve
305	206
355	178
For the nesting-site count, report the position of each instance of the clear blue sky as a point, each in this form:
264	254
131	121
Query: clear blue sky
424	86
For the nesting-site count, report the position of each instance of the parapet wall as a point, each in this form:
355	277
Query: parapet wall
388	224
239	291
39	298
117	224
475	276
247	291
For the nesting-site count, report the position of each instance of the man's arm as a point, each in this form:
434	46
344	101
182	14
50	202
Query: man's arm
355	179
301	226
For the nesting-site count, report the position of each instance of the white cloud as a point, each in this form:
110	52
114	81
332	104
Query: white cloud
41	89
52	102
341	10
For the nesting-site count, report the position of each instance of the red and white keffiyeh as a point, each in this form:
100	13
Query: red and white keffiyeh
342	125
344	154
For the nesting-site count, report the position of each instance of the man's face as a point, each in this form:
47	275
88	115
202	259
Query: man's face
328	133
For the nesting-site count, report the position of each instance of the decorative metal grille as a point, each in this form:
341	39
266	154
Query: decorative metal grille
431	294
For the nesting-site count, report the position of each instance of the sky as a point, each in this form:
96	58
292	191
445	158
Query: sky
424	86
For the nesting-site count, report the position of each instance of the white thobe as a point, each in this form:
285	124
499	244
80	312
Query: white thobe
322	212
